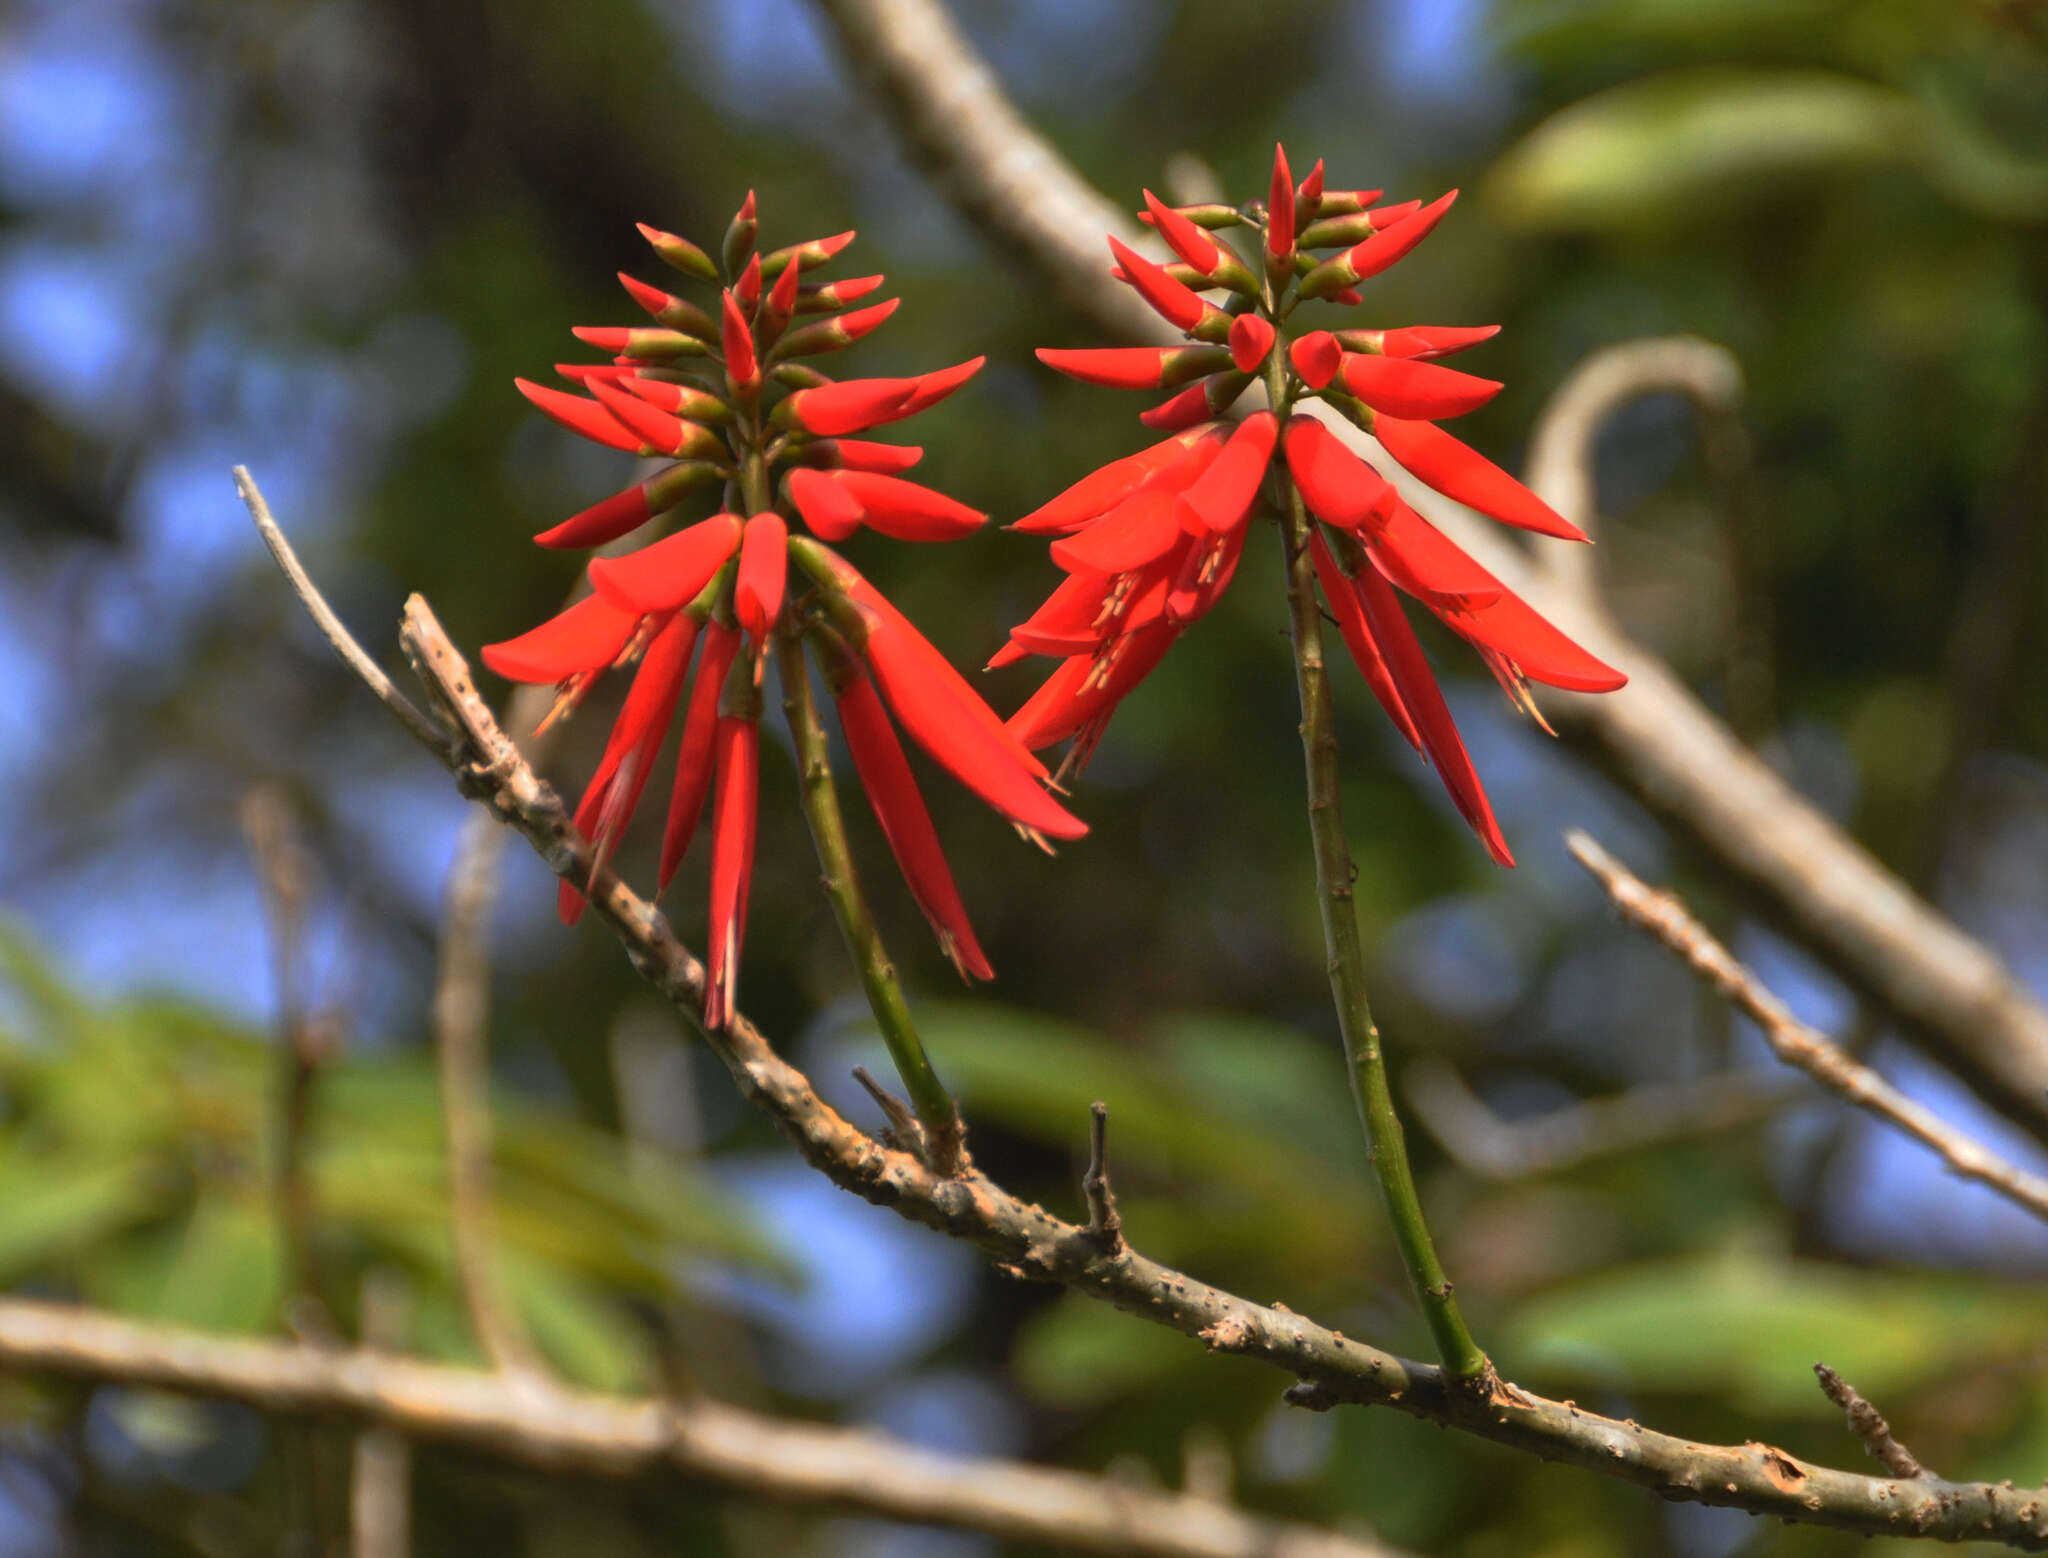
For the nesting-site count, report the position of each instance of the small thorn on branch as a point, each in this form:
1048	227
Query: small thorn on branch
1867	1424
1105	1226
904	1126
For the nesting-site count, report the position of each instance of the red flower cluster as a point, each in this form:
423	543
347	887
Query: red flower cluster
1150	542
727	402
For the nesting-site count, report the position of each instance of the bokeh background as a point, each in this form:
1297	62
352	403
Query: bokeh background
321	238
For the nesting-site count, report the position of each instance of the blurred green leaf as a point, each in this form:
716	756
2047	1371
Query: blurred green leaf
1752	1326
1693	144
1081	1353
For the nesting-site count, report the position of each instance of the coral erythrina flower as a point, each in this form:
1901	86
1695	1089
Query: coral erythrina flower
725	399
1149	542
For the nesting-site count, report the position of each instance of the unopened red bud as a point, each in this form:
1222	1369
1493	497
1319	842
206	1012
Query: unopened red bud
580	416
829	335
1209	215
741	367
782	301
583	372
1420	391
668	574
823	298
859	454
748	287
832	410
798	376
1202	402
1174	302
1308	197
1316	357
1342	202
740	235
1280	211
682	400
1226	491
812	255
1251	337
1339	488
1423	341
763	575
1182	236
681	253
641	345
629	510
1135	367
659	431
1384	248
670	310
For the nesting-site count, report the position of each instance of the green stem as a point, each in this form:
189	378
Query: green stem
1386	1146
936	1112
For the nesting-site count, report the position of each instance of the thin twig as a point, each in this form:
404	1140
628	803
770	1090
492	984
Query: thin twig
1868	1424
903	1129
1482	1143
1105	1223
1792	1041
1333	1369
380	1496
1961	1000
462	994
430	735
576	1433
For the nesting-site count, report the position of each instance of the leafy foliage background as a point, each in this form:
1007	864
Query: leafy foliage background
322	237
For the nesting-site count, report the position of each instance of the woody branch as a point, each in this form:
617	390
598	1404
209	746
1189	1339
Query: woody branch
1330	1368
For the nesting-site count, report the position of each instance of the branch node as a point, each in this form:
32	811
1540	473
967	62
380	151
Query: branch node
1105	1224
904	1132
1868	1424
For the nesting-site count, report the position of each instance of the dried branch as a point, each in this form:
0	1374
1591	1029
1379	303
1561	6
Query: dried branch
1792	1041
1105	1224
560	1430
352	655
953	119
1482	1143
462	994
1960	999
1868	1424
1330	1367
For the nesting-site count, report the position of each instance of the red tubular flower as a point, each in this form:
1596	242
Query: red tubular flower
1150	542
727	405
738	748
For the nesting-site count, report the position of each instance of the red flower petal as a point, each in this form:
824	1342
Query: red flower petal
1434	340
1280	208
1351	623
1172	301
833	410
1145	525
586	637
601	522
892	792
1402	387
1316	357
1201	402
580	416
1511	627
763	574
831	512
1417	557
1224	495
1462	472
1083	692
783	299
671	572
1383	248
1187	240
856	454
1410	674
738	342
1251	337
1103	488
949	720
1134	367
905	511
1308	196
732	861
694	760
655	428
1339	488
748	287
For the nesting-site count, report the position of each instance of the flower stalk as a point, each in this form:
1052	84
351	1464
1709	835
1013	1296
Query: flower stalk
1385	1142
944	1136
